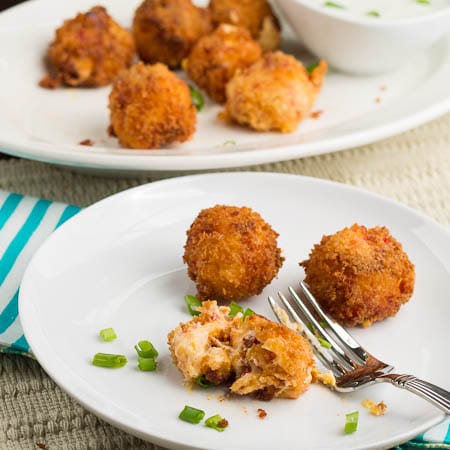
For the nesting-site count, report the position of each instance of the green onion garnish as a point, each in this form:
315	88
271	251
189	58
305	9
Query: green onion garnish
309	325
373	14
192	303
145	349
217	422
323	342
351	422
203	382
234	309
230	142
147	364
191	415
424	2
197	98
109	360
108	334
247	313
311	67
334	5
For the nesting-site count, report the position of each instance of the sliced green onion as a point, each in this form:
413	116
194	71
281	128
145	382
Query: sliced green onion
373	14
309	325
217	422
191	415
108	334
351	422
323	324
247	313
192	303
311	67
234	309
203	382
197	98
147	364
230	142
323	342
334	5
424	2
145	349
109	360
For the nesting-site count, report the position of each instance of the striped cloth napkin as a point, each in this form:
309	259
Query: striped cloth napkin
25	222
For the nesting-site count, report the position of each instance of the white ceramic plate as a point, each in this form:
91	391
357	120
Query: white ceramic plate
119	264
47	125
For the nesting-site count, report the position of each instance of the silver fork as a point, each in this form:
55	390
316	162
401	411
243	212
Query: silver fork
352	366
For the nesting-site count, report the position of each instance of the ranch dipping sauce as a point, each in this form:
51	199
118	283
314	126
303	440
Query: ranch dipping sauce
386	9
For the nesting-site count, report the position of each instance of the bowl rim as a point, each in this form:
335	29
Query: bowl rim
375	22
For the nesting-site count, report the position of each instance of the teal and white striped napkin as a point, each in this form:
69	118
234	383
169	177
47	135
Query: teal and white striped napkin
25	222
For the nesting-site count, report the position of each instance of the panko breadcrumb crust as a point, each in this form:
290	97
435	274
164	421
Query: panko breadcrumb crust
166	30
255	15
150	107
275	93
231	253
88	50
255	356
360	275
215	58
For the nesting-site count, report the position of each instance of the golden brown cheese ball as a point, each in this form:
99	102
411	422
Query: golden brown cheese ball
275	93
255	15
360	275
258	357
231	253
89	50
166	30
150	107
215	58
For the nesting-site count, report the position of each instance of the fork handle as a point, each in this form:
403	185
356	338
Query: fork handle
434	394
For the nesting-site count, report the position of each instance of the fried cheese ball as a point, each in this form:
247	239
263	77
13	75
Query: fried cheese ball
231	253
275	93
360	275
150	107
258	357
89	50
166	30
215	58
255	15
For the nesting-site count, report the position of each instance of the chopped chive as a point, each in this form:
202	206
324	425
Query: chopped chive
310	68
217	422
234	309
109	360
192	303
373	14
203	382
191	415
247	313
309	325
324	342
351	422
197	98
145	349
147	364
108	334
334	5
230	142
424	2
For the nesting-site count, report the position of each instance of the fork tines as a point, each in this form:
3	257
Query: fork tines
333	345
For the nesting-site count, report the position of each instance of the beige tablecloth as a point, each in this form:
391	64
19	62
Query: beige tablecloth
413	168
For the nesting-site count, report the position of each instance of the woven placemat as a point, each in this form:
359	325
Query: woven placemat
413	168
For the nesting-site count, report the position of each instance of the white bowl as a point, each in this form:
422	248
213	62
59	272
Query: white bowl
363	45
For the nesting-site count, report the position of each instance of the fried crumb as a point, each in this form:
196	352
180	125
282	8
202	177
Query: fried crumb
316	114
244	410
88	142
326	378
376	409
222	423
377	99
383	87
208	397
284	319
49	82
221	398
262	413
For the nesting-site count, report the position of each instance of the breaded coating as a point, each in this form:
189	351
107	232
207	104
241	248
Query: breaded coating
150	107
231	253
215	58
275	93
360	275
166	30
89	50
255	356
255	15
